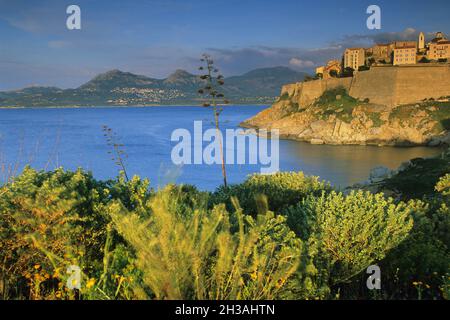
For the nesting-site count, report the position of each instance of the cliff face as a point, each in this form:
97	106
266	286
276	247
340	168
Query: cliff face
383	106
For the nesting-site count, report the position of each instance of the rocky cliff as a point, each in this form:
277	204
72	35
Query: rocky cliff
345	111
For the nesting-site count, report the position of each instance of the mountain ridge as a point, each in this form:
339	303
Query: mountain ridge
117	87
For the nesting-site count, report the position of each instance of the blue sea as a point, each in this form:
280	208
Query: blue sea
47	138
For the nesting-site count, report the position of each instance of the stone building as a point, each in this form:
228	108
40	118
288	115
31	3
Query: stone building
405	55
332	67
354	58
319	70
327	71
382	53
395	53
405	44
439	47
422	47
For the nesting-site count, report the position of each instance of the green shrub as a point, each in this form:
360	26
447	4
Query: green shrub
419	179
443	185
284	96
346	234
196	256
133	194
329	96
337	99
445	287
290	108
50	220
282	189
180	243
424	257
45	216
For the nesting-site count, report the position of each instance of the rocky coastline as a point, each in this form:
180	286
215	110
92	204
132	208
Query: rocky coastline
338	119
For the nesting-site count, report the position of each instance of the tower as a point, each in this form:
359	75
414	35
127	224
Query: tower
421	41
439	35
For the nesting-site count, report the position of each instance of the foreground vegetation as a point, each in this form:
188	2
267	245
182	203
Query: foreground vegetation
283	236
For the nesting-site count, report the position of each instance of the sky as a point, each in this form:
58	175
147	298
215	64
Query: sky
156	37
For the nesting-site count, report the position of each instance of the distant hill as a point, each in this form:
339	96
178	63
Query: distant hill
117	79
263	82
116	87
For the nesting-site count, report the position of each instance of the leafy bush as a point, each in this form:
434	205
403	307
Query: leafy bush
338	102
133	193
419	179
443	185
346	234
445	288
49	220
196	256
284	96
281	189
180	243
424	257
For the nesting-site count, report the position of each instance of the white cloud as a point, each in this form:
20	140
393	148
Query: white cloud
382	37
296	62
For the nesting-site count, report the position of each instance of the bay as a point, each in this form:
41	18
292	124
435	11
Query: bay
47	138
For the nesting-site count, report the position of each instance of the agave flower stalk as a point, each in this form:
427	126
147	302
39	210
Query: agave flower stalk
213	80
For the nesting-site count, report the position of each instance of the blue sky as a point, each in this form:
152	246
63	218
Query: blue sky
156	37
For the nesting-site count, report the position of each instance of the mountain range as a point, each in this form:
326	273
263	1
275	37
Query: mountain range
115	87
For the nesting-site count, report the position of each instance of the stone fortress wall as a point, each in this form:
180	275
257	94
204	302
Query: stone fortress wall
386	85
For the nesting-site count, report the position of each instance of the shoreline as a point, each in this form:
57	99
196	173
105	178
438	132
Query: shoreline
129	106
290	137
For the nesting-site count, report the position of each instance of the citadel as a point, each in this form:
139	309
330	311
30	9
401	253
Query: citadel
397	53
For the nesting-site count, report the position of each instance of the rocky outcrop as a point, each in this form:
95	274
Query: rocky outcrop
382	106
397	183
363	124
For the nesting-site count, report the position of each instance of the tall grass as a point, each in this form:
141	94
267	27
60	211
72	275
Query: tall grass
196	255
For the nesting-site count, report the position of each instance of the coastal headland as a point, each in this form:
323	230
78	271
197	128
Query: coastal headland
386	105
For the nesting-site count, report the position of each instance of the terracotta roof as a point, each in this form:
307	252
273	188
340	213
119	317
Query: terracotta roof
438	40
443	42
405	47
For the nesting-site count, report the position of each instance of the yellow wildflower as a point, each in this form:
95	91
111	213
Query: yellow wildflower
90	283
56	274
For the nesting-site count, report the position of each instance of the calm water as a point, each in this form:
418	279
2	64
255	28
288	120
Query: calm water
49	138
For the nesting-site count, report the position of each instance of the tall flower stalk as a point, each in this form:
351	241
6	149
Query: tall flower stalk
117	153
213	80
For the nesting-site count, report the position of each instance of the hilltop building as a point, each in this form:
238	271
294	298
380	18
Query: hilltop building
382	52
354	58
397	53
405	44
319	70
405	54
379	53
332	69
422	43
439	47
